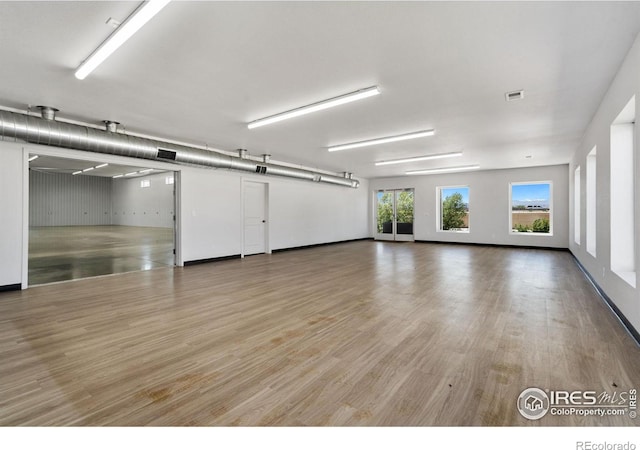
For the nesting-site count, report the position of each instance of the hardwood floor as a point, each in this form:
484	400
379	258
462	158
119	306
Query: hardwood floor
69	253
363	333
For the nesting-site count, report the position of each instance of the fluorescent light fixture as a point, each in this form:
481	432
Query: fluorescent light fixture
443	169
33	158
318	106
384	140
101	166
145	171
89	169
76	173
118	176
130	173
128	28
419	158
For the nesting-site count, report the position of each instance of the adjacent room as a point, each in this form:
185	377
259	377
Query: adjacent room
319	213
88	219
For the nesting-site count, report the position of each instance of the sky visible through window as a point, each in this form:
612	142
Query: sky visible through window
464	191
531	195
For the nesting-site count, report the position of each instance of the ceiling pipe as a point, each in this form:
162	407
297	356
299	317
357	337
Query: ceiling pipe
47	131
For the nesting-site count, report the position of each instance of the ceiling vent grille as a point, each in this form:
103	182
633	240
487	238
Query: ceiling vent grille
515	95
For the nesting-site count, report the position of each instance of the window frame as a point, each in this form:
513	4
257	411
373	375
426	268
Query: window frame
577	205
591	204
439	200
510	205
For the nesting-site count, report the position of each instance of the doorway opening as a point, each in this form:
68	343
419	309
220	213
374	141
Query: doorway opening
90	218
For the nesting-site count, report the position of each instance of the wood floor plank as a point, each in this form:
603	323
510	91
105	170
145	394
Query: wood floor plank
355	334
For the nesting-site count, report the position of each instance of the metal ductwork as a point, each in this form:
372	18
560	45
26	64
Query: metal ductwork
48	131
111	126
47	112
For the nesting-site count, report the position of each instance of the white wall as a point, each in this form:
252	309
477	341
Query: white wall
210	214
136	206
310	213
625	85
60	199
300	213
11	221
489	207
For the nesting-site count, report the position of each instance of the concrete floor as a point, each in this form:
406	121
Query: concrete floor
68	253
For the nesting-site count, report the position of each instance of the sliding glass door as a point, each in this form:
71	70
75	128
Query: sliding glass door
394	214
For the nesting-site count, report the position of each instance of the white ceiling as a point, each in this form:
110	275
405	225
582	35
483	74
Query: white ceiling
199	71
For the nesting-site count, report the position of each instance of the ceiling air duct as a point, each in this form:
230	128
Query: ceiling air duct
48	131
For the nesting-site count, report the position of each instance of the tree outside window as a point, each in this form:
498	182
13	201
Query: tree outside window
385	211
454	203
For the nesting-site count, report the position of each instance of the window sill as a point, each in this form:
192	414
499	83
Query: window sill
628	277
454	231
529	233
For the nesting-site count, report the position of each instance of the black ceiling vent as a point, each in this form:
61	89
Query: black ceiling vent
261	169
515	95
166	154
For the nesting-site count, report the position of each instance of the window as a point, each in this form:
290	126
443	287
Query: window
531	208
454	209
145	183
623	261
591	202
576	206
169	180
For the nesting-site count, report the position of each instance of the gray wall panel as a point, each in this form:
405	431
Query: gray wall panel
150	206
57	199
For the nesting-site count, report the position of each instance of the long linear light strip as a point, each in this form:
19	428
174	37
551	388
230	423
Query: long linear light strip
384	140
139	172
419	158
33	158
443	169
99	166
128	28
318	106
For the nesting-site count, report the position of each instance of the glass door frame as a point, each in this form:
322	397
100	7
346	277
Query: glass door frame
394	235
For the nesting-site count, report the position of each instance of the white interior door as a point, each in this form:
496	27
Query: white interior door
255	219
